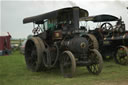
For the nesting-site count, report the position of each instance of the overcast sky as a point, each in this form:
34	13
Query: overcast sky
13	12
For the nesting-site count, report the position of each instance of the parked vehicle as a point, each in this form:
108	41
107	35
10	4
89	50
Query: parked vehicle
112	39
59	41
5	47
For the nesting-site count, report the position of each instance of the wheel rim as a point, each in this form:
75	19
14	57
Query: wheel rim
67	64
122	55
97	62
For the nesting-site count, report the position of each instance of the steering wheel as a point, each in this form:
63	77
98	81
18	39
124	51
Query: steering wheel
36	30
106	27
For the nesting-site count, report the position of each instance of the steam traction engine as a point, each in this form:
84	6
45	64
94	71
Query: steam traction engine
57	41
112	38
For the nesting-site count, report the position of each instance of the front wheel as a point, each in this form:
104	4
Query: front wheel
96	62
67	64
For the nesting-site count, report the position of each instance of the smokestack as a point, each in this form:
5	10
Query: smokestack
76	17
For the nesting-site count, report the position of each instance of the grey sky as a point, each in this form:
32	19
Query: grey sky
0	18
13	12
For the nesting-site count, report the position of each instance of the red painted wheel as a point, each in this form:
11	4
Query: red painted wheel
96	62
121	55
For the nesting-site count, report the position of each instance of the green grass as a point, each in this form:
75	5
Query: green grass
13	71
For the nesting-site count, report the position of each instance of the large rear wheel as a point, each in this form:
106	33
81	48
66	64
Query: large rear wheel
33	54
96	62
67	64
93	42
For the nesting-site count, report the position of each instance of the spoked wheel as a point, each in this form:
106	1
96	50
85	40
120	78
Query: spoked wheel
51	55
121	55
107	27
97	62
33	54
67	64
93	43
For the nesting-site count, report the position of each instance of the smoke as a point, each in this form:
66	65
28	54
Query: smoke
72	3
122	10
123	3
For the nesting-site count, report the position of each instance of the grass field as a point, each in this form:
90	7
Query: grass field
13	71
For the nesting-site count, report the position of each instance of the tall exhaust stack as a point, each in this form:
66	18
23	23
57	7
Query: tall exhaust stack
76	17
